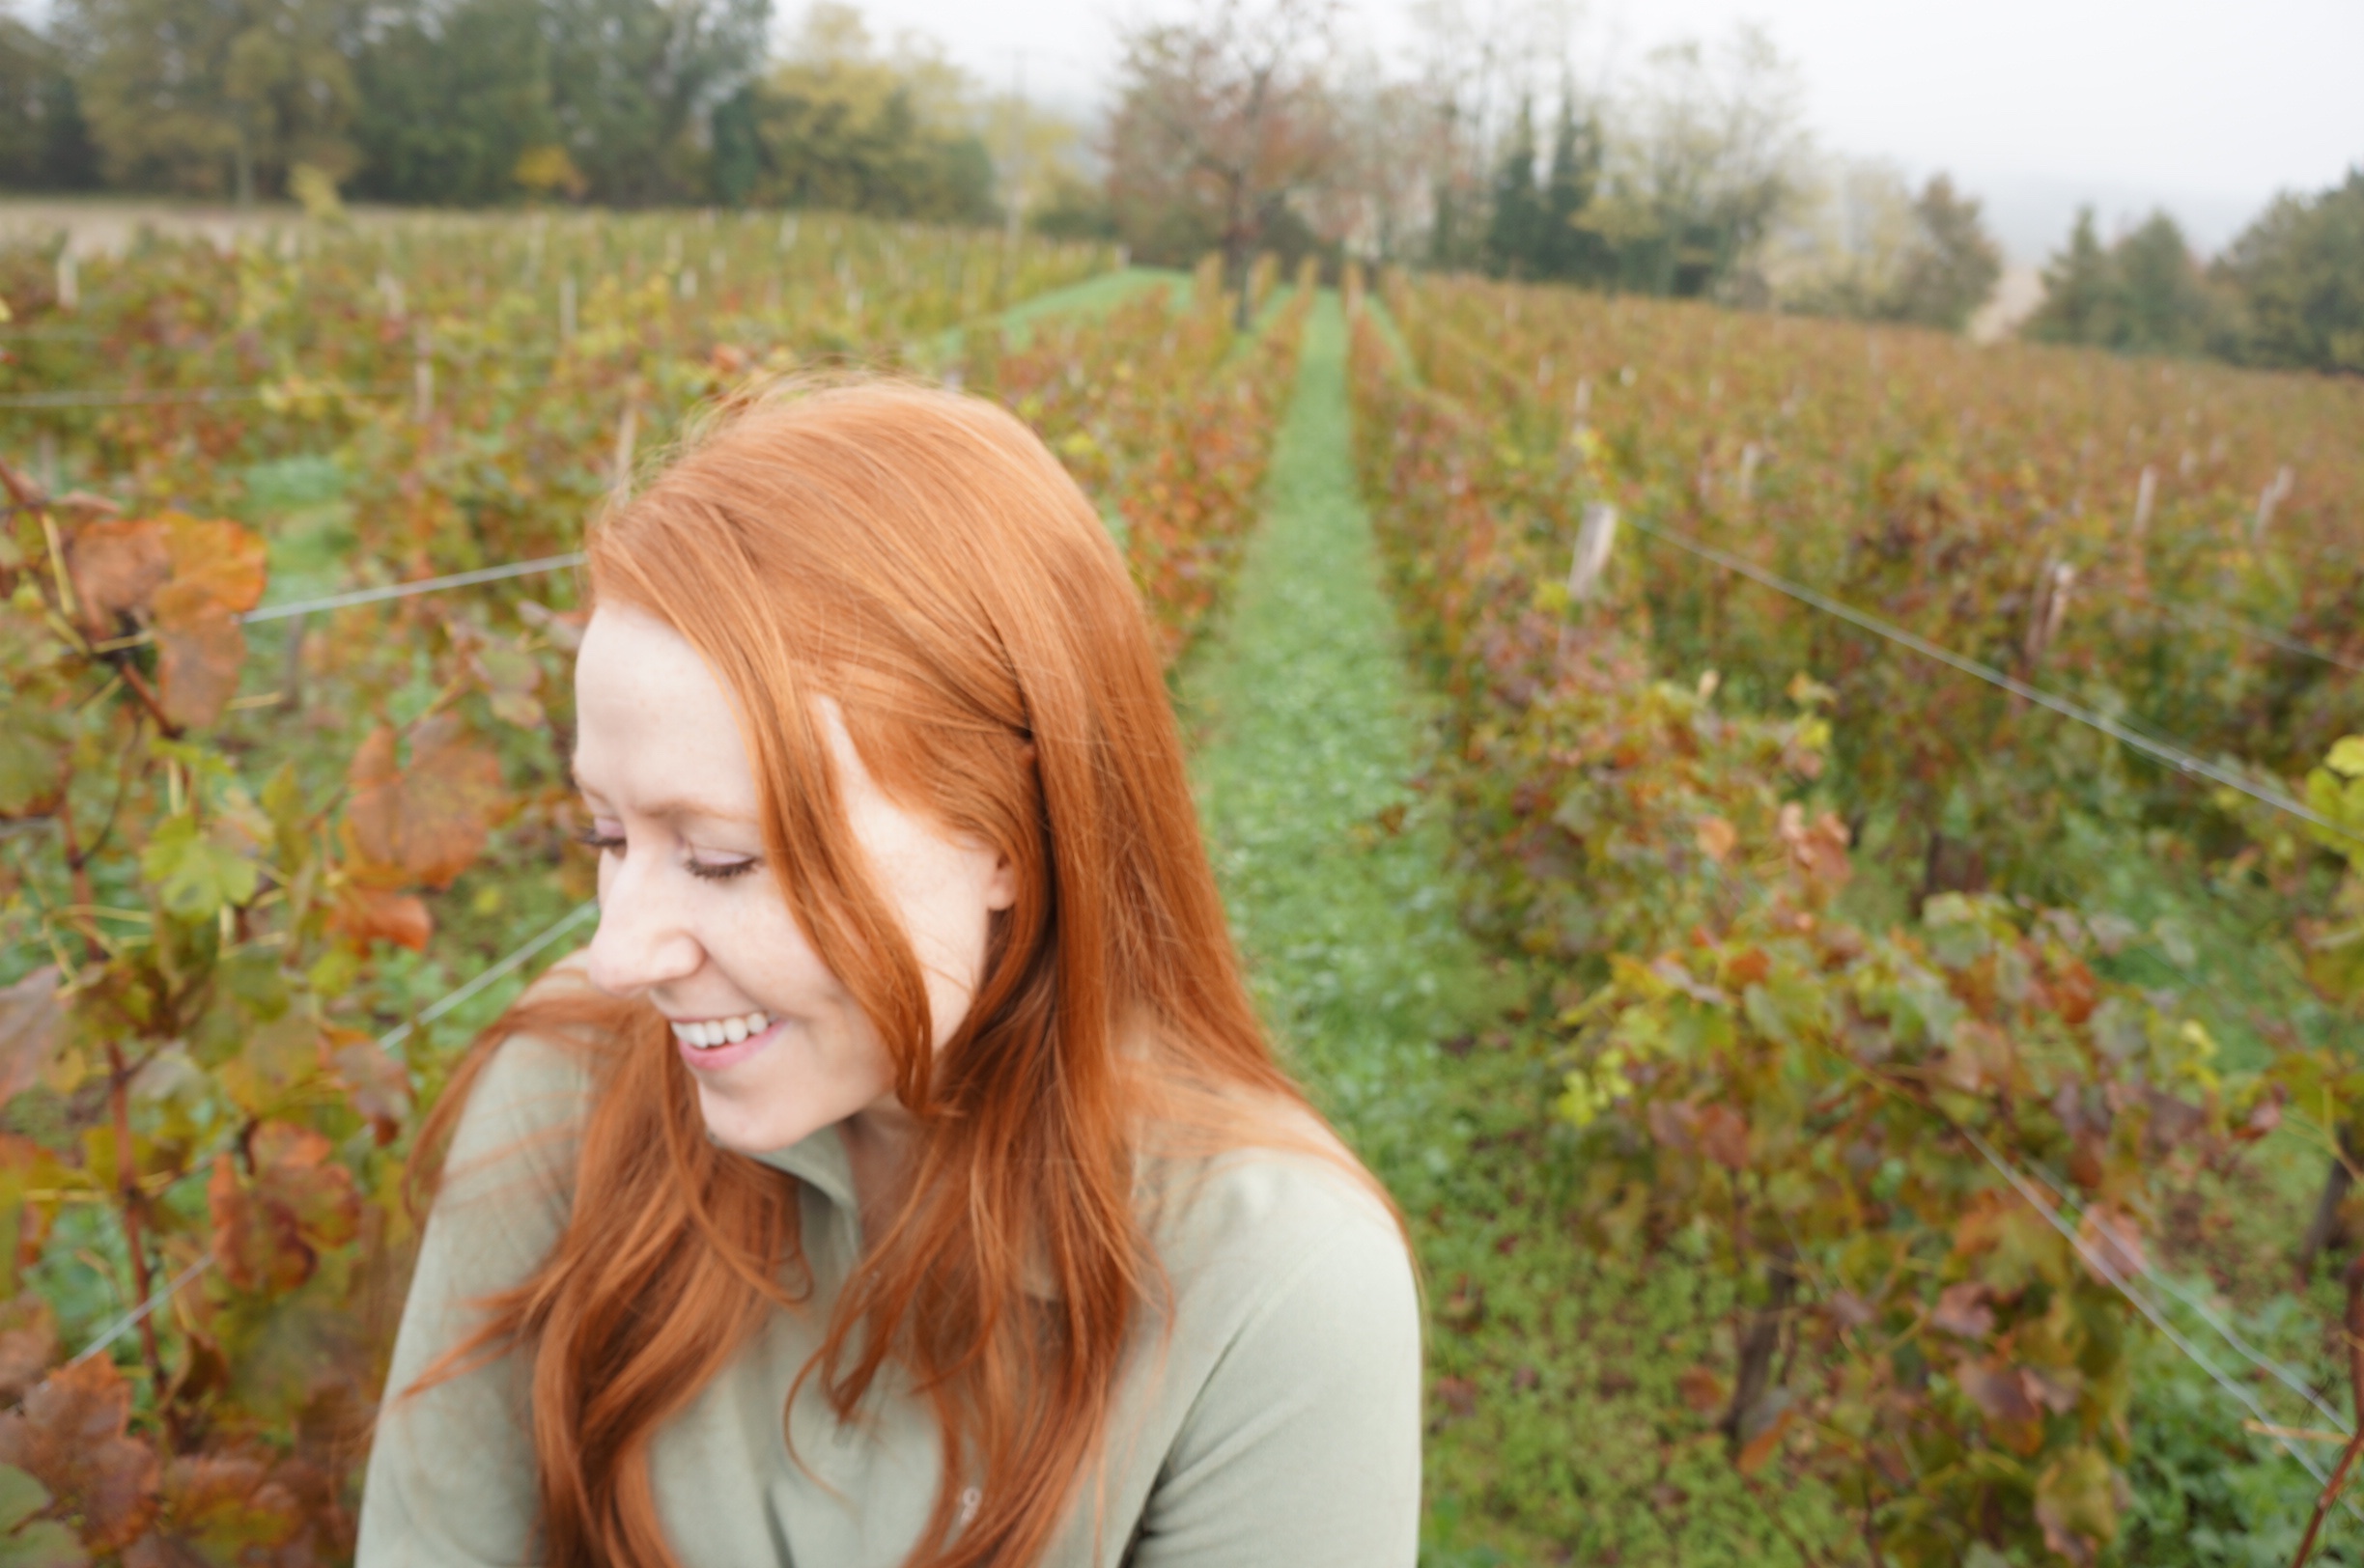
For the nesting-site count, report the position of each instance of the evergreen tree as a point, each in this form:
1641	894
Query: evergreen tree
2299	271
1564	250
1513	235
1952	264
2078	304
2163	305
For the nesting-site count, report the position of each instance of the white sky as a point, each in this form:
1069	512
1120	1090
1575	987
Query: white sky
2204	108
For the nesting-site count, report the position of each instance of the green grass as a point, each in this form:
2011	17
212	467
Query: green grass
1555	1434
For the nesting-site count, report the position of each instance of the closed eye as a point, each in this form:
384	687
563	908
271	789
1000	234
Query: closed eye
722	870
593	838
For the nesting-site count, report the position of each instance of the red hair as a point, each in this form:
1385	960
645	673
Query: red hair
923	559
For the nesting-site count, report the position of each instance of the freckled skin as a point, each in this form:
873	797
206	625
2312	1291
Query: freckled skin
655	726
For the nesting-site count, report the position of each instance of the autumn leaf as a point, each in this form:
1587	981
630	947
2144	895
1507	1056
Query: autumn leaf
1723	1135
268	1232
224	561
2112	1241
373	915
1762	1431
199	651
425	822
30	1019
1702	1391
1963	1310
1715	838
216	1509
377	1084
70	1435
28	1344
115	568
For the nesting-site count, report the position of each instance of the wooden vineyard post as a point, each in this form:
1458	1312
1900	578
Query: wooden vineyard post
2277	490
422	375
68	279
566	309
2146	492
627	428
1594	541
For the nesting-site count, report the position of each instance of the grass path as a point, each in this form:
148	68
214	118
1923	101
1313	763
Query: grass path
1552	1367
1306	731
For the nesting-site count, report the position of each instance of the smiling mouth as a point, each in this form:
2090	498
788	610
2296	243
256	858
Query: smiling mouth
706	1034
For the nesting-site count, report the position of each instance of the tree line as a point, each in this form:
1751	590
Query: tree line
2288	293
469	102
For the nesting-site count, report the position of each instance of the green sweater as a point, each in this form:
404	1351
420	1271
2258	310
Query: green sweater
1277	1425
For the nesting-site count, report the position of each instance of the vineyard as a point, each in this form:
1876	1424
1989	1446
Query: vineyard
1941	1072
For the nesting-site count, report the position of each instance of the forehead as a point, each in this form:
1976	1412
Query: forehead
653	723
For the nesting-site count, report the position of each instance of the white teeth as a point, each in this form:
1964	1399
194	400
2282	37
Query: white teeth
713	1032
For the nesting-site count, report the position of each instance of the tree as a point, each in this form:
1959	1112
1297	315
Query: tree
451	100
1566	248
1220	122
2143	294
1712	154
1514	233
2300	271
2078	303
634	85
835	124
1952	266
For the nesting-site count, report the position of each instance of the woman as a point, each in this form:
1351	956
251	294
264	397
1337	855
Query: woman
900	1177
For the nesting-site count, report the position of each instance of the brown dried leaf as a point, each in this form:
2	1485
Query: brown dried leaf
1965	1309
1998	1389
28	1344
1723	1135
70	1435
30	1020
116	567
1762	1448
1820	850
1701	1390
200	650
426	822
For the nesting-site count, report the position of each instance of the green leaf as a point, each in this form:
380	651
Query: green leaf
2347	758
196	876
20	1496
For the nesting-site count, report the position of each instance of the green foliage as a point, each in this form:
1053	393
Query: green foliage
2300	269
451	99
2144	294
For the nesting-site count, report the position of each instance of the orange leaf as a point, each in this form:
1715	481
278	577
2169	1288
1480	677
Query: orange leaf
217	559
28	1343
1758	1449
1715	838
69	1437
369	915
426	822
377	1084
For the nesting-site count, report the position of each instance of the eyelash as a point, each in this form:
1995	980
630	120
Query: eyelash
592	838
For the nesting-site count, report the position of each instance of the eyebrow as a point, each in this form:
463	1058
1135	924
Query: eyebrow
672	807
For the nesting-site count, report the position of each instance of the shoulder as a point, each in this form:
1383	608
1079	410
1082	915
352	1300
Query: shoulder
1286	1244
525	1104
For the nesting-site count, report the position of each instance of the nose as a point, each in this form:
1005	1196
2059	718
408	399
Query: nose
642	943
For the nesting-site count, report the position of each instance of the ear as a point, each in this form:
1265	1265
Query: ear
1001	887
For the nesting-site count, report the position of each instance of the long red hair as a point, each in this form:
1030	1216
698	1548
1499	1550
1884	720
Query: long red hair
923	559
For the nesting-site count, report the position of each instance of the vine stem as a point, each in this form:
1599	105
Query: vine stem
127	1181
2352	1330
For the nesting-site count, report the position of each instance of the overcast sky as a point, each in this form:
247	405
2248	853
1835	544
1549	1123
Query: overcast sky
2204	108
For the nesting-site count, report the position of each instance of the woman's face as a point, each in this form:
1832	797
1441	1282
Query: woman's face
691	918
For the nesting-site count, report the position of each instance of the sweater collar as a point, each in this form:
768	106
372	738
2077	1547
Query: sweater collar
819	1160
